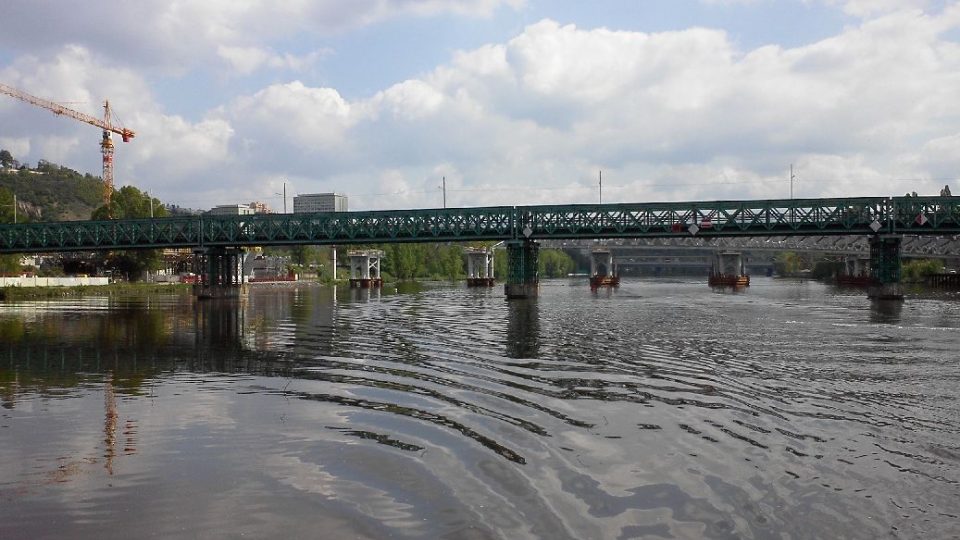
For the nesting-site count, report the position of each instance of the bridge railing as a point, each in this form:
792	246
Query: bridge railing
708	218
778	217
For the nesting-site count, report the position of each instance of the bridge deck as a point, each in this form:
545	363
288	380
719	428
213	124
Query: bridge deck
842	216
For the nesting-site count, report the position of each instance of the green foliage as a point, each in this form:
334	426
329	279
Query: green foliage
918	269
554	263
9	264
130	203
51	192
6	159
787	262
403	261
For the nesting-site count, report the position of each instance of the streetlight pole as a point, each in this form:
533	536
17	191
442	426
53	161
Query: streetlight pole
284	195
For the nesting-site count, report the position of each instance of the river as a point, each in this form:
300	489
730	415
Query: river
662	409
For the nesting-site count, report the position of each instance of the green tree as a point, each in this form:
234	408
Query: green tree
918	269
6	159
130	203
787	262
9	264
554	263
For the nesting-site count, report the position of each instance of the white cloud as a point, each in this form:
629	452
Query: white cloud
17	146
246	60
870	8
668	116
164	144
177	35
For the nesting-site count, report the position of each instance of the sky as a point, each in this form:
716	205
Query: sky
506	102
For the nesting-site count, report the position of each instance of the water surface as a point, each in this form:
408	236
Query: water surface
659	410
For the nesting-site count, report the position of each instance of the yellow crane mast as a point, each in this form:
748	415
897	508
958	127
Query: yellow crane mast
106	143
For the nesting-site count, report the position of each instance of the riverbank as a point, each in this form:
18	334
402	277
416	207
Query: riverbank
113	289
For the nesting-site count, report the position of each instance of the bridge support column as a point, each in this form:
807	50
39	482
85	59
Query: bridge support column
885	267
603	272
365	269
523	276
220	270
479	267
729	270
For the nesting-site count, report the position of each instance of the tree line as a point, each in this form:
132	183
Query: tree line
412	261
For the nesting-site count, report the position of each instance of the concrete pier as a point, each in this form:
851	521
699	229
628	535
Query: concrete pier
603	271
365	269
479	267
728	270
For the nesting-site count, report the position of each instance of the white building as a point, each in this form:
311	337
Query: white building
319	202
232	210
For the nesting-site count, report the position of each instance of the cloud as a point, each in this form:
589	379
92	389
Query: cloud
246	60
17	146
184	34
164	144
871	8
678	115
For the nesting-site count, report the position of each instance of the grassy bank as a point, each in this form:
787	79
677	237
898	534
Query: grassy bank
114	289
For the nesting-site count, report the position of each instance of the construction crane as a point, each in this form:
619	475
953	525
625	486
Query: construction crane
106	143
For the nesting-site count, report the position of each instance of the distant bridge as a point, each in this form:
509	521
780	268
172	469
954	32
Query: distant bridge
863	216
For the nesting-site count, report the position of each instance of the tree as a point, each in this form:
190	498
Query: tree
9	264
6	159
130	203
554	263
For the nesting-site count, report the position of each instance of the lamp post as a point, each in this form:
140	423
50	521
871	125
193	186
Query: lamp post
284	195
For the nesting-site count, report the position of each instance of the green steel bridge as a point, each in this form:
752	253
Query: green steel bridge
841	216
217	239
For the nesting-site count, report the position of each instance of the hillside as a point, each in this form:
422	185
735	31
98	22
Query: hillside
53	193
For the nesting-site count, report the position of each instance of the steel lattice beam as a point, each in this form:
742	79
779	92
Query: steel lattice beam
713	219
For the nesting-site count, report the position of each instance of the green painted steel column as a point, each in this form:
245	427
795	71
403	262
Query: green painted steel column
885	267
221	276
523	275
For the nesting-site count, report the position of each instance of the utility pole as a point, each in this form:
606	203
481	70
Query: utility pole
444	185
601	187
284	197
14	208
791	180
792	209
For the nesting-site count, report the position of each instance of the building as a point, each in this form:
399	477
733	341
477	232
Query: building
319	202
260	208
231	210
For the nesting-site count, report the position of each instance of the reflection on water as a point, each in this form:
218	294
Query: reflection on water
659	411
885	311
523	328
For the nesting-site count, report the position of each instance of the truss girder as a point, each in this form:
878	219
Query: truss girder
768	222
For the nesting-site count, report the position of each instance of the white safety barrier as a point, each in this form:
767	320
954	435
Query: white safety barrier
34	281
